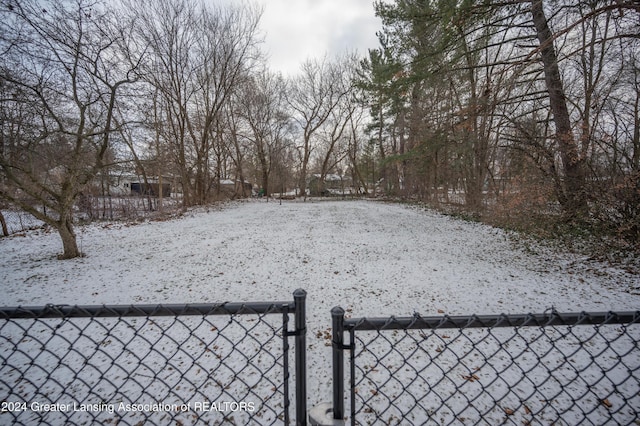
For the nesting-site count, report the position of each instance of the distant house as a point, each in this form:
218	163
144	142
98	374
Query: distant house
133	185
332	184
150	188
233	188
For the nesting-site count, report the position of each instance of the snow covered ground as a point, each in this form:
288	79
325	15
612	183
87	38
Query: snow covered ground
371	258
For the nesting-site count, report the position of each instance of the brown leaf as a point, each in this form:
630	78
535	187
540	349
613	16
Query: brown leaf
607	403
508	411
440	311
527	410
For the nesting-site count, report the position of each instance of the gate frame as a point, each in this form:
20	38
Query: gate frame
297	307
334	414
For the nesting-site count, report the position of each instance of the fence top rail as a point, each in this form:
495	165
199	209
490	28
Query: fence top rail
491	321
144	310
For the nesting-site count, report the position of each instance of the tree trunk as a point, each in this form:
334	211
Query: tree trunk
69	244
573	198
636	134
355	168
200	184
265	183
302	183
5	230
238	162
264	167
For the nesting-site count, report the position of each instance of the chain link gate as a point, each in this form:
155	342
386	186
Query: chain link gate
153	364
229	363
542	369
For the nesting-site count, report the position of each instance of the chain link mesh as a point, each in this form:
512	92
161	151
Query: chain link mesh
194	369
18	221
91	208
572	374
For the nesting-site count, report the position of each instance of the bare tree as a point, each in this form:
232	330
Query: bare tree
60	74
334	134
312	96
238	149
574	197
198	56
356	138
262	108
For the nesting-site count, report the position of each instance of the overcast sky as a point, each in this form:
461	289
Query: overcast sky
296	30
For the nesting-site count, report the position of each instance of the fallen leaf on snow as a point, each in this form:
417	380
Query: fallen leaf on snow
471	378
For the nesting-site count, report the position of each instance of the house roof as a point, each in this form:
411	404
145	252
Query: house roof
328	177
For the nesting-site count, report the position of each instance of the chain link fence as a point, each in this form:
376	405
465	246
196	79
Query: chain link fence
17	221
507	369
230	364
167	364
94	207
90	208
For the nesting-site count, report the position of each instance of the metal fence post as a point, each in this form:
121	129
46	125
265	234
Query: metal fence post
337	316
325	413
299	297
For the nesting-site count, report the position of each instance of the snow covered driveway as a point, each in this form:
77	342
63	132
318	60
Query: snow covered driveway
371	258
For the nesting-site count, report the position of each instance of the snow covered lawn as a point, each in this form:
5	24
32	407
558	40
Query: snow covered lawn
371	258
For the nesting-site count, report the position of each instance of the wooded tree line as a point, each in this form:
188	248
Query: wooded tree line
508	109
524	107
